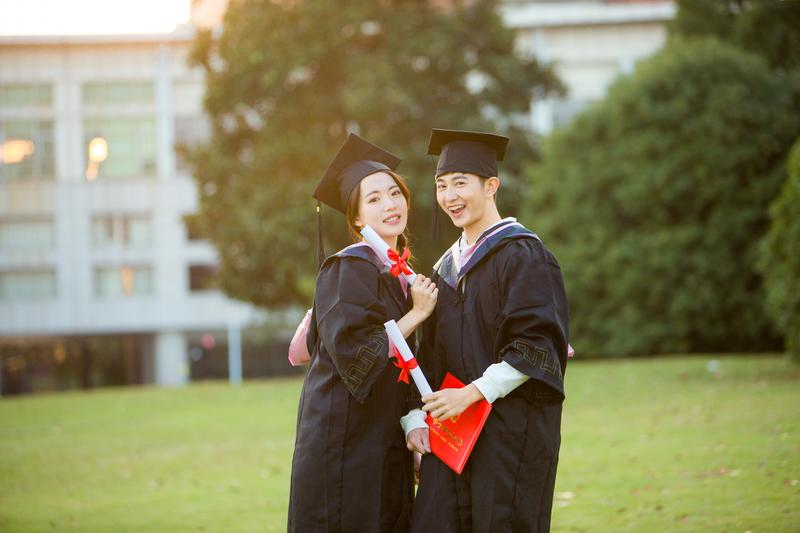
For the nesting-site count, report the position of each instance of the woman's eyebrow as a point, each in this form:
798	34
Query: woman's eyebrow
376	191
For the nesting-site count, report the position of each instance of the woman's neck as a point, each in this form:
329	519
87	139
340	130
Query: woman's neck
391	241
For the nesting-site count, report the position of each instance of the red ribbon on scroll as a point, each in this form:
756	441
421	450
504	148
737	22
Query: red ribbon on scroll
405	366
399	263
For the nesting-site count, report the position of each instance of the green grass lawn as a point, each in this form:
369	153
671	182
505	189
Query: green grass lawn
651	445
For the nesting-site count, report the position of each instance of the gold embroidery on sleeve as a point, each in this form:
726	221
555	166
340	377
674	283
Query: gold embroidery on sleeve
366	358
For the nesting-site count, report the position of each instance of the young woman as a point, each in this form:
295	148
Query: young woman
351	470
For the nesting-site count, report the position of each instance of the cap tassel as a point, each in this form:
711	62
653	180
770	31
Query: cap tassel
320	244
435	208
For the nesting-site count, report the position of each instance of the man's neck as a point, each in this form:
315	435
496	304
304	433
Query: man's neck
472	232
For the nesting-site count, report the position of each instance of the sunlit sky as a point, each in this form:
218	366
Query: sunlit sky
81	17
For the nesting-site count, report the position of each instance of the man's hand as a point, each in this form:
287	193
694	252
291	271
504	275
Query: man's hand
448	403
419	440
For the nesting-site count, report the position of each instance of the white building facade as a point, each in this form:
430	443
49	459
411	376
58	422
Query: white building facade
92	198
590	42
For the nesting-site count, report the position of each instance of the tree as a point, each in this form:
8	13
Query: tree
780	261
654	201
770	28
287	80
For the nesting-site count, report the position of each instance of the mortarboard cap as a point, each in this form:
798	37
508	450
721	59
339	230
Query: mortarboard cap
355	160
467	151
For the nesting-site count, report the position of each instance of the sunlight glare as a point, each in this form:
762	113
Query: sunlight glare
91	17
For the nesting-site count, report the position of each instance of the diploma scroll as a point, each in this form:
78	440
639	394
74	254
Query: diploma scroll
405	352
380	246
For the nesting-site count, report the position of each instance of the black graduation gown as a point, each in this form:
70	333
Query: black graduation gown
508	303
351	470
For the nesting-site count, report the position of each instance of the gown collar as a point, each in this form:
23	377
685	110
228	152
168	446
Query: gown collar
366	251
457	261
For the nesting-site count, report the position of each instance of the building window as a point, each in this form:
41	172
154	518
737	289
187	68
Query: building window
121	231
192	224
26	234
26	96
28	285
188	95
120	147
189	132
26	149
122	282
565	110
118	93
201	277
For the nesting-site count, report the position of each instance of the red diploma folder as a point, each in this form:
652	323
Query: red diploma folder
452	440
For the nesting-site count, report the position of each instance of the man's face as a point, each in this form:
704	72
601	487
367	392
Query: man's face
464	197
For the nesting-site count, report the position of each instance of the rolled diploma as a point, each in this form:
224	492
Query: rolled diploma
382	248
405	352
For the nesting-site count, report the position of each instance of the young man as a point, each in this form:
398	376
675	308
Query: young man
501	326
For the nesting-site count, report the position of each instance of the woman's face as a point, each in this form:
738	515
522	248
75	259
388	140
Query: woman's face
382	206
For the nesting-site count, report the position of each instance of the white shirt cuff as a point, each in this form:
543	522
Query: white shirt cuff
499	380
415	419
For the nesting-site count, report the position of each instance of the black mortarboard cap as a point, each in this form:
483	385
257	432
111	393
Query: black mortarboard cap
467	151
355	160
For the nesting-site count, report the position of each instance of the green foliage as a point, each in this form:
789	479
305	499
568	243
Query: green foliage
285	82
654	201
780	261
770	28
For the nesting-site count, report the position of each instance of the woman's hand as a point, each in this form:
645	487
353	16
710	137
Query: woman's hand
424	293
448	403
418	440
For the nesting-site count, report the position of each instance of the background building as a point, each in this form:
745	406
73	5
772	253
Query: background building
101	282
590	42
96	265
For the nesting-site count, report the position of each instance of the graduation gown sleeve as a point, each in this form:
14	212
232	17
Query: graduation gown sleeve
533	328
350	315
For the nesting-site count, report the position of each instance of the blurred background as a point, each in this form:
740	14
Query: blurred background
157	161
104	277
156	229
